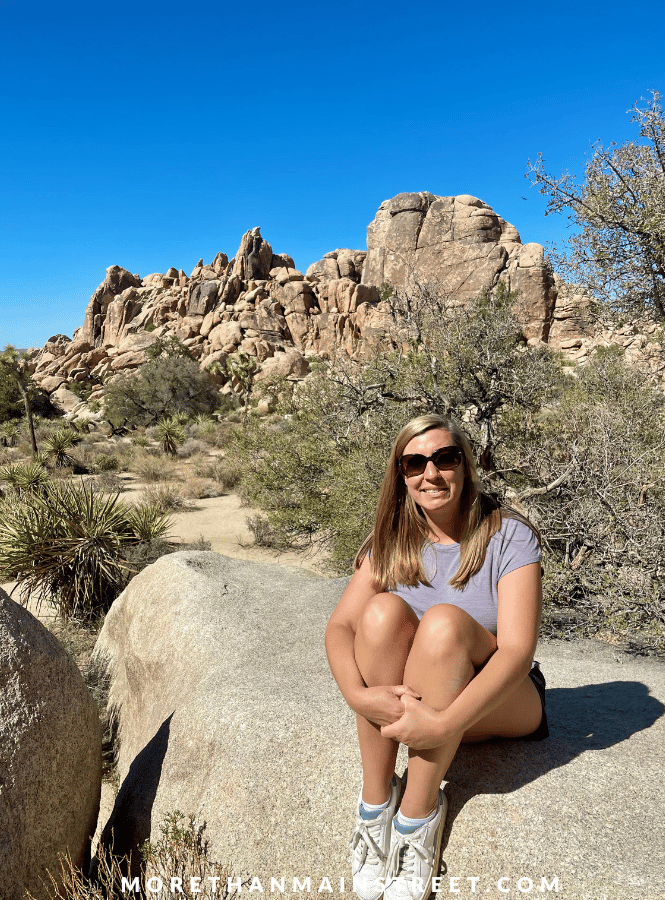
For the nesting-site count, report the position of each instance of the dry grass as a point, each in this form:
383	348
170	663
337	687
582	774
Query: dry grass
181	852
166	497
151	468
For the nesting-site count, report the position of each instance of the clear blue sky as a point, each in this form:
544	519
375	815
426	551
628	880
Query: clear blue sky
152	134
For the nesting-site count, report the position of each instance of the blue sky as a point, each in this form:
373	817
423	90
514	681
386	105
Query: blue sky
152	134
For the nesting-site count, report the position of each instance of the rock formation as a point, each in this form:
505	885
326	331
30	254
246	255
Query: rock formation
258	303
50	756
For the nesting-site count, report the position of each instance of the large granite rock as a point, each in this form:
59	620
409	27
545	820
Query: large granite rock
50	756
227	710
460	245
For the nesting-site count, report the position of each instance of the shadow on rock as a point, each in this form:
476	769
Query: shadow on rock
132	810
590	717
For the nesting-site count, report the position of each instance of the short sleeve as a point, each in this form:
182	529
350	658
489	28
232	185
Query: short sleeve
519	547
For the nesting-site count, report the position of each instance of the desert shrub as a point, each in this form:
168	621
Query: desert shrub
67	544
192	447
165	497
30	476
160	388
154	468
57	446
105	462
170	435
108	483
10	432
181	851
263	532
226	472
141	440
202	488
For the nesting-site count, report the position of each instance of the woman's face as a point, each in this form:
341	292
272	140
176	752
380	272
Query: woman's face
437	493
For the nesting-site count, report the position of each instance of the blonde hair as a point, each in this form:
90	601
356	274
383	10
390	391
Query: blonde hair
400	528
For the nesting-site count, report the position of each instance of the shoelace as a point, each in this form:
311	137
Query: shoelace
406	866
363	833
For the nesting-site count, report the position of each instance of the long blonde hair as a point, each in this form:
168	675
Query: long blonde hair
400	528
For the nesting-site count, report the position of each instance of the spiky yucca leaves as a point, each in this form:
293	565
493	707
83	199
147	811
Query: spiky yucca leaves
58	444
149	522
30	476
170	435
11	432
68	544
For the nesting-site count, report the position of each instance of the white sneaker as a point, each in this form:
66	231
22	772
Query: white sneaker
413	859
369	846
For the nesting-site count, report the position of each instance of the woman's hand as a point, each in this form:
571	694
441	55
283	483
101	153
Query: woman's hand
382	705
419	727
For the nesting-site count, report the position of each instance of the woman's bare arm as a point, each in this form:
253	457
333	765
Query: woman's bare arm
380	704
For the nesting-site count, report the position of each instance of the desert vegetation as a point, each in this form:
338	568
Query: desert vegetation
181	852
581	453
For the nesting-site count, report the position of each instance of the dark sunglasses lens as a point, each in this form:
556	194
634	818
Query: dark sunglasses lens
414	464
447	458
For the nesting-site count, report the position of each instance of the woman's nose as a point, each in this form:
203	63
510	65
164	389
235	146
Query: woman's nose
431	470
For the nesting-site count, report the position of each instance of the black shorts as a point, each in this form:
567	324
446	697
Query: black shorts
539	680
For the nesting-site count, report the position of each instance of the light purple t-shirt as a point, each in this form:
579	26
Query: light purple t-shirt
513	546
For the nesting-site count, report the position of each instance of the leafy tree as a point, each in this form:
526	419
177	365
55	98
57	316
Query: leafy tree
619	251
160	388
168	346
318	476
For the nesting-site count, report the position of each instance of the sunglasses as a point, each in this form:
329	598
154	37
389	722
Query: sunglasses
444	458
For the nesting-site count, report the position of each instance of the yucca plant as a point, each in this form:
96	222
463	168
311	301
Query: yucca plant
68	544
30	476
149	522
170	435
11	432
57	446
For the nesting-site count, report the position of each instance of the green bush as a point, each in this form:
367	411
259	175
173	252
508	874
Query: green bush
161	387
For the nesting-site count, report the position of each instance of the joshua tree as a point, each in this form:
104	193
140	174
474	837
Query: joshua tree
13	363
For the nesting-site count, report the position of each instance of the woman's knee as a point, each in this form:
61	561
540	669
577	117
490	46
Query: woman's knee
386	619
446	629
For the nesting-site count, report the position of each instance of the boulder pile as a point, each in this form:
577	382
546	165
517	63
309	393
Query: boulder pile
259	304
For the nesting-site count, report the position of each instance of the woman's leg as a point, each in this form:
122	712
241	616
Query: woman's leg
384	636
448	647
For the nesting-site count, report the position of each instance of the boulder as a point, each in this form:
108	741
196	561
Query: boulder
226	709
284	365
460	245
50	756
64	400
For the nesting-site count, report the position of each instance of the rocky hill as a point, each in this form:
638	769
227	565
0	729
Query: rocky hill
258	303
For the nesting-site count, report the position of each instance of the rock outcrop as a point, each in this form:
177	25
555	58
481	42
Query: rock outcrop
50	756
258	303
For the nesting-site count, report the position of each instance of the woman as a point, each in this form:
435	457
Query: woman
432	644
